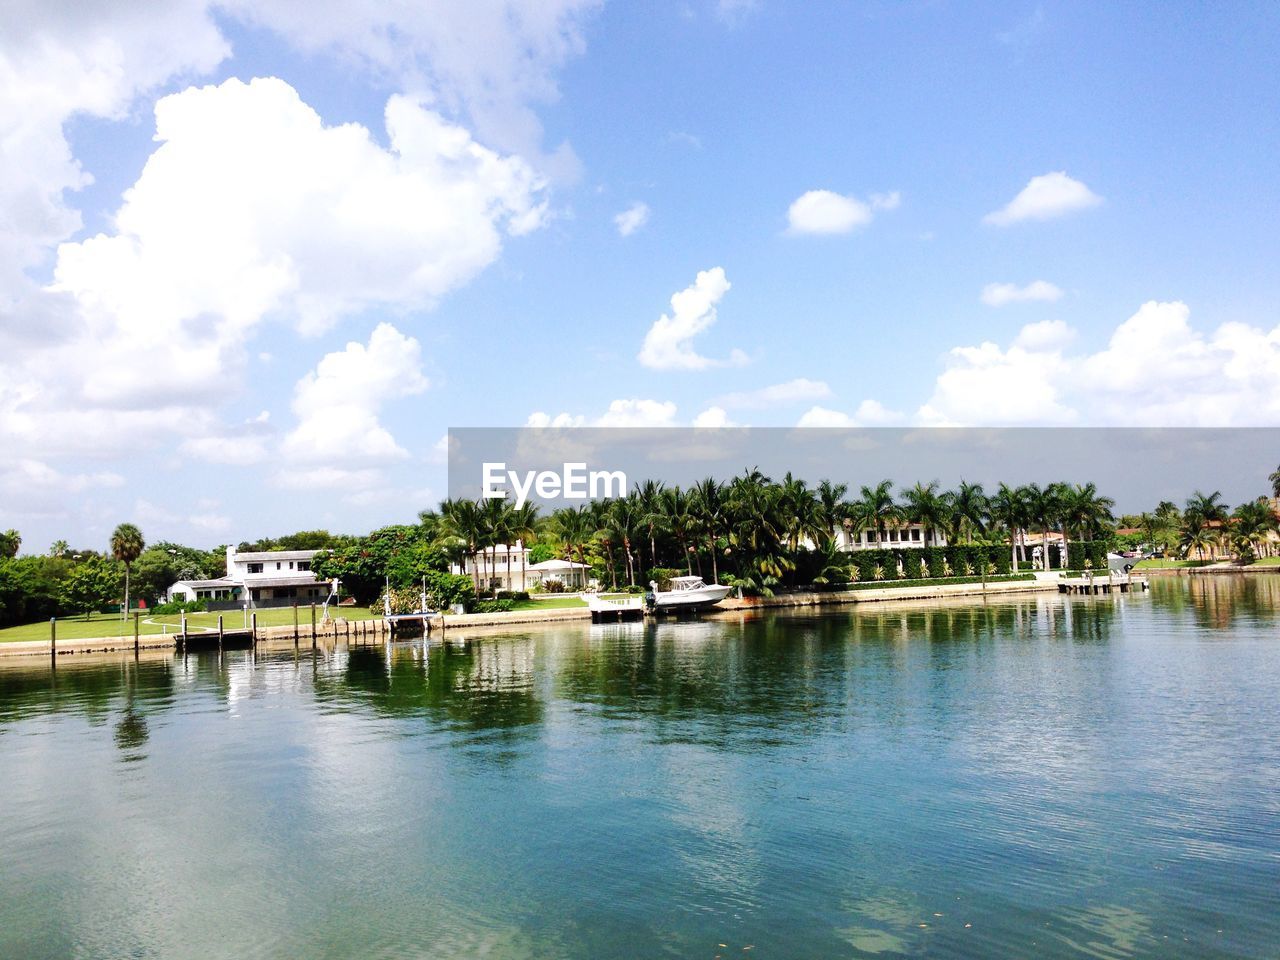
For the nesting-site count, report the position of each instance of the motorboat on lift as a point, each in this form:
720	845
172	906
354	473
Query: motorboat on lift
686	594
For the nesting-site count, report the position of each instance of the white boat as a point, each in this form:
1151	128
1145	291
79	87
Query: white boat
687	593
605	609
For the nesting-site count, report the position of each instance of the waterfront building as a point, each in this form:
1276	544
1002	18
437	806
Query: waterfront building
507	567
264	578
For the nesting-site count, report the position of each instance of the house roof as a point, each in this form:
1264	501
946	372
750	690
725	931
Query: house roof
554	564
297	580
223	583
263	556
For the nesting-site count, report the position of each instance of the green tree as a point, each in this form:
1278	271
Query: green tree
1274	480
10	542
923	504
126	546
90	585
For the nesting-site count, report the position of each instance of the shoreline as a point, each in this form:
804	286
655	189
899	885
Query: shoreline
284	635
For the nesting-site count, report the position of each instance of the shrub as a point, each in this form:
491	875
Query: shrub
552	586
179	606
494	606
912	565
662	577
518	595
935	559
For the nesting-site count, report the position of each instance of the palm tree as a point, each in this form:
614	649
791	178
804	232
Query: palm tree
524	523
1042	508
1009	508
798	508
625	518
709	504
1209	509
1196	534
462	520
969	509
679	511
10	542
876	508
59	548
1087	511
126	545
832	510
649	495
1274	480
923	504
575	526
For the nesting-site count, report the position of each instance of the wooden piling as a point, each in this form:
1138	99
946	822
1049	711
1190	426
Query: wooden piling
137	629
253	626
53	639
313	624
219	633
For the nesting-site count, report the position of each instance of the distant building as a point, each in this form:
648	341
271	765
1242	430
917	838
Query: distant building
902	536
267	578
508	568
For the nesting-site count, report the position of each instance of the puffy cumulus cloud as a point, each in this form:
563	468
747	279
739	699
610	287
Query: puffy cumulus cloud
489	63
328	478
337	404
668	344
626	412
26	474
290	218
999	294
1045	197
870	413
826	212
638	413
713	418
632	219
61	60
1155	370
798	390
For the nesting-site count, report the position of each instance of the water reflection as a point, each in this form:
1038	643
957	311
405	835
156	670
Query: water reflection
1033	776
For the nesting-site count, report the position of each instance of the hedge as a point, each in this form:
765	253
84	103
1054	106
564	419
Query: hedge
941	581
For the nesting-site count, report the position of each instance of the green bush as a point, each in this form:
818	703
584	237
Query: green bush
494	606
912	565
935	559
941	581
179	606
518	595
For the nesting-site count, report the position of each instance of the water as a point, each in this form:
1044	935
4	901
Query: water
1049	777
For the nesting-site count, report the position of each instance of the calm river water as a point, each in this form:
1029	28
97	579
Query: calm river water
1036	777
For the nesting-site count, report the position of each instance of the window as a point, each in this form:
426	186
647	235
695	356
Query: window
871	536
290	564
915	535
304	564
255	568
277	564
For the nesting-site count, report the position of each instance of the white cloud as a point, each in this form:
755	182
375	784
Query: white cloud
793	391
999	294
327	478
1155	370
825	212
870	413
668	344
632	219
26	474
538	419
489	63
1043	198
638	413
337	404
733	11
713	418
290	218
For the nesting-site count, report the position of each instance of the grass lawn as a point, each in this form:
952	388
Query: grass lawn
1167	564
110	625
557	602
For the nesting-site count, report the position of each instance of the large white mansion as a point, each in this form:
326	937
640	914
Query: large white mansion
268	578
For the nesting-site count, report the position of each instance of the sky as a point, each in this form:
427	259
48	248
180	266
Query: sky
257	258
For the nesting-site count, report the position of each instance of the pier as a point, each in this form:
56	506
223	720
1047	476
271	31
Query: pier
1098	585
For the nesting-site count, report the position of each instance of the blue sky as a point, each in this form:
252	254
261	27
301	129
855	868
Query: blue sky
882	213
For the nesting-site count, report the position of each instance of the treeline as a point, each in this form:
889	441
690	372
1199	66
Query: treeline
1206	525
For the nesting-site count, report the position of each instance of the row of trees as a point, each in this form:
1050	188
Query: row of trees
1206	526
761	532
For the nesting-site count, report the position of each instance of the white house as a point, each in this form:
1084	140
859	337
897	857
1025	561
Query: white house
901	536
508	568
268	578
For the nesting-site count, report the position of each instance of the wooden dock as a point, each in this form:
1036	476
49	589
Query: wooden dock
1125	583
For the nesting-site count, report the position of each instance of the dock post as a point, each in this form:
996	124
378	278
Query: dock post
295	623
313	625
184	631
253	627
219	632
53	639
137	628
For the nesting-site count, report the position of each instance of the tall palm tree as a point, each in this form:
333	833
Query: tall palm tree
625	519
709	507
649	495
524	523
1274	480
1209	509
575	526
126	546
798	507
1042	510
462	520
680	514
1008	508
969	509
876	508
923	504
1196	534
832	510
10	542
1087	511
